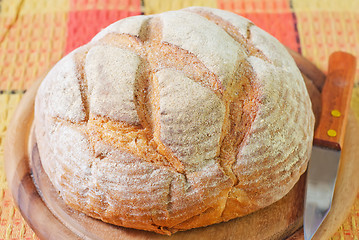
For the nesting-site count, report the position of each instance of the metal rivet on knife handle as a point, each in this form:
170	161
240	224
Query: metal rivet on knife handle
336	100
335	113
332	133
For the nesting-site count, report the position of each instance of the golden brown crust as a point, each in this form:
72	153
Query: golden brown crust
174	121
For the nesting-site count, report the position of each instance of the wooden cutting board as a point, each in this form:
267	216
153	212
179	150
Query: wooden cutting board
50	218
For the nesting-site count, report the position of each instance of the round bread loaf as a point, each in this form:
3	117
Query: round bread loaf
174	121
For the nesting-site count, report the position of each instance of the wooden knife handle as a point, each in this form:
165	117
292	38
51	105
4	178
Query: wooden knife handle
336	95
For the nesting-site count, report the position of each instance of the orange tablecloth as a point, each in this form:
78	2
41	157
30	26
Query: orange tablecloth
34	34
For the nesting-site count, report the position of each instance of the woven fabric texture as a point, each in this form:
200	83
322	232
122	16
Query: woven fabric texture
35	34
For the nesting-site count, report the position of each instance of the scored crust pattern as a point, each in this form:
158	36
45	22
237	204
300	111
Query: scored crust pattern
174	121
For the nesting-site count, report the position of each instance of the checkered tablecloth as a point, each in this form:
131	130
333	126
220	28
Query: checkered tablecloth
34	34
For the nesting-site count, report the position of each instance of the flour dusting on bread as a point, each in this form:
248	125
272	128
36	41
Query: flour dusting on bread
174	121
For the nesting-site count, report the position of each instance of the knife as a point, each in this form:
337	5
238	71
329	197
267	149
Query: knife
328	141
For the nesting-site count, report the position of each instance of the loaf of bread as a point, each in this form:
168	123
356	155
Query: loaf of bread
174	121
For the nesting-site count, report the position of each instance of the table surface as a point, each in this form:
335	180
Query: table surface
35	34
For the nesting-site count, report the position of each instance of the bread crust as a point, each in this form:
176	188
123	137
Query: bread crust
174	121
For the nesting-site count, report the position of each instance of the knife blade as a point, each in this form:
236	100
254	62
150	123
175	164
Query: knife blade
328	141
